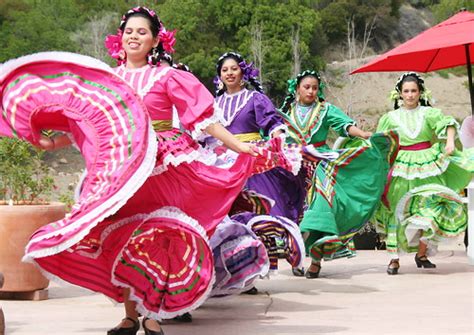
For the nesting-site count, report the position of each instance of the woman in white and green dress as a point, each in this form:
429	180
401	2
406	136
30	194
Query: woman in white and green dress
421	205
343	193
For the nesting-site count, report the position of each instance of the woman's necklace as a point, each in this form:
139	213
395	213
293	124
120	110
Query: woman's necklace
302	111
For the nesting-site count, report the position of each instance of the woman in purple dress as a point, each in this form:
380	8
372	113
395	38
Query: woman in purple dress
251	116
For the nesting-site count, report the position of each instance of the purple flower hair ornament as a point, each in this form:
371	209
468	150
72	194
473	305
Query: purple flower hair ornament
218	83
248	70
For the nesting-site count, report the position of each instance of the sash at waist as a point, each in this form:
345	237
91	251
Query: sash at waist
319	144
247	137
416	146
162	125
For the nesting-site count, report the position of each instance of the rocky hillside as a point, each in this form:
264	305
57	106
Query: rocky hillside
365	96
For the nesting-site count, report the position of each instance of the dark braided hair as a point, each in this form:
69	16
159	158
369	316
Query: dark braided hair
411	77
295	82
158	53
248	73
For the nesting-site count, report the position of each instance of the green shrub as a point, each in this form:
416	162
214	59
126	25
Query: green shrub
24	177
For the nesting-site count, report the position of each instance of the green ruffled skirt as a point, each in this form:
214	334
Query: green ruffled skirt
345	194
423	200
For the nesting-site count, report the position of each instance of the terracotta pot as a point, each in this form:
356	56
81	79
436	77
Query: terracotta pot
2	317
17	224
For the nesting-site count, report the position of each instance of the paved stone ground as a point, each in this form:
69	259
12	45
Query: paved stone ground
353	296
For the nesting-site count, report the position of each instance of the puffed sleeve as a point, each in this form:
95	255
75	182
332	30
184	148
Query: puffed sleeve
338	120
440	122
194	103
266	115
384	123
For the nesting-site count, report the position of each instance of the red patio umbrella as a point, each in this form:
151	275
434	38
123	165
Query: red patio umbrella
448	44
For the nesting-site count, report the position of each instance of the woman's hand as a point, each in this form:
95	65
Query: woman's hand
247	148
229	140
356	132
449	148
53	143
46	143
277	133
366	134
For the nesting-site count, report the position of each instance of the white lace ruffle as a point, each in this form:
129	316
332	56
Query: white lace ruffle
226	122
199	133
151	82
421	175
207	159
402	118
282	127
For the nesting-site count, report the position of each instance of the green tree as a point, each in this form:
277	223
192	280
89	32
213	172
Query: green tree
337	14
39	26
446	8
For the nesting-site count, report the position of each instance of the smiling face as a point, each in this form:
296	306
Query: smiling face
231	75
137	41
410	94
307	90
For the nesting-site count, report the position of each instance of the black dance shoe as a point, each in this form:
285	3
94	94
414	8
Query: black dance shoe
149	331
125	331
252	291
298	272
424	262
185	318
313	274
393	267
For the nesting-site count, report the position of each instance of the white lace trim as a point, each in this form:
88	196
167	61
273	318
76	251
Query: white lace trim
282	127
236	111
109	207
250	279
295	158
199	133
403	118
421	175
456	126
151	82
184	158
431	190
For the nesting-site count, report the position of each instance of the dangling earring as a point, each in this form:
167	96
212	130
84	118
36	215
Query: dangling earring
297	97
153	58
242	82
220	86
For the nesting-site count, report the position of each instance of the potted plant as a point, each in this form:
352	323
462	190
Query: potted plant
25	187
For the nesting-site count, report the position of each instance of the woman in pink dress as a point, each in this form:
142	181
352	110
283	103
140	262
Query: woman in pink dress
145	244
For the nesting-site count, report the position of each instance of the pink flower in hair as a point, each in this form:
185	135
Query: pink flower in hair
148	10
113	43
167	39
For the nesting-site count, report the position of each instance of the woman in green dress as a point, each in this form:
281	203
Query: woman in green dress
421	205
342	193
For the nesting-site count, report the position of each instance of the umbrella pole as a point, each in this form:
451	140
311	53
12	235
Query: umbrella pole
469	75
470	188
